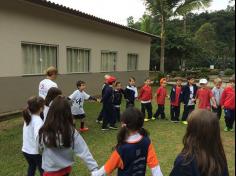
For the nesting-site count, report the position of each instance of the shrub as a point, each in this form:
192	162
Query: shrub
229	72
205	70
157	78
214	72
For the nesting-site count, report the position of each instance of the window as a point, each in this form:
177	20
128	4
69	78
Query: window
37	58
78	60
132	62
108	61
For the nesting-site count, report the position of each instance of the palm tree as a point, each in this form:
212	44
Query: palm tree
187	6
164	9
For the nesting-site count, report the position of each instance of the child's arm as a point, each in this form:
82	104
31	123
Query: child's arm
153	162
223	96
113	163
140	93
81	150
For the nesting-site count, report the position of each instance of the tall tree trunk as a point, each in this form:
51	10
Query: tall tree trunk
185	24
162	59
185	32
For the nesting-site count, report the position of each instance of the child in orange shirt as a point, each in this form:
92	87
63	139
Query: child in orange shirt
134	150
161	95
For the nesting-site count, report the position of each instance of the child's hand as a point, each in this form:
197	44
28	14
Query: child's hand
99	100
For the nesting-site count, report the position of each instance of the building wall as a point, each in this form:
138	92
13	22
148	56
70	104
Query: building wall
24	22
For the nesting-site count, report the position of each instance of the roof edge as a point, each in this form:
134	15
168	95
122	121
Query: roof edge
68	10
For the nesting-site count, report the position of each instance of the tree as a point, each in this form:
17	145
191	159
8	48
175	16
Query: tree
163	9
187	6
206	38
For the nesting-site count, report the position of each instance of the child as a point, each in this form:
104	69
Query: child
203	153
52	94
205	96
32	124
106	77
189	93
59	141
47	83
228	103
161	95
217	93
117	100
131	93
78	97
145	96
108	108
134	150
175	99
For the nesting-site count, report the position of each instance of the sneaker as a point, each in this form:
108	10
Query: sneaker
105	129
153	118
83	129
185	122
232	130
146	120
174	121
226	129
98	121
113	128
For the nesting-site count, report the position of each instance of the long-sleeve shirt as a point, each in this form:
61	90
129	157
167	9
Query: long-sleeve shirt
161	94
189	168
217	93
108	96
132	158
55	159
228	98
131	93
145	94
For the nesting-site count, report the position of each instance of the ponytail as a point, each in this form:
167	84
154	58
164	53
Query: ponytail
122	136
27	116
34	106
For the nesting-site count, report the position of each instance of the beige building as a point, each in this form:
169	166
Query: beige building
35	34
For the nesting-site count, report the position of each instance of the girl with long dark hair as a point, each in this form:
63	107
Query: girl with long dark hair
203	153
60	141
32	124
134	150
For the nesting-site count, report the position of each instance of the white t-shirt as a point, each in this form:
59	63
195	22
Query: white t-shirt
190	103
30	135
44	86
78	98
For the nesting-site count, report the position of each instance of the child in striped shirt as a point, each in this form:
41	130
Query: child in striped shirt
134	150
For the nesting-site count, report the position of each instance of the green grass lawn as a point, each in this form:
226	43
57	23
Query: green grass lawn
167	138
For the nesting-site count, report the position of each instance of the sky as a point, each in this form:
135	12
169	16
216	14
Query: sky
119	10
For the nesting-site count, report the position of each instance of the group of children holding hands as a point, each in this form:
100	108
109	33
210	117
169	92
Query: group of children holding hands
50	139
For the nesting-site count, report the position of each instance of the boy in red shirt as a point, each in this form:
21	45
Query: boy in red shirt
228	103
175	98
145	96
161	95
205	96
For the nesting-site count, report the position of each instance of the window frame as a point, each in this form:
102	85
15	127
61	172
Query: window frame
115	63
89	62
39	44
137	64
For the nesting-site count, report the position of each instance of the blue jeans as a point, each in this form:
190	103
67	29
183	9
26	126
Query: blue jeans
229	118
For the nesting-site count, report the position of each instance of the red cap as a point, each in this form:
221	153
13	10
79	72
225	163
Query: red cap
111	79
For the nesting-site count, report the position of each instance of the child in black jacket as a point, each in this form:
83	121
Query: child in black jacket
117	100
189	93
108	108
175	100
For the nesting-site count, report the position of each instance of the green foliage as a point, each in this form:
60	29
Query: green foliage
229	72
157	77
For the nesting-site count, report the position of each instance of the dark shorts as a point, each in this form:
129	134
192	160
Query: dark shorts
79	116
